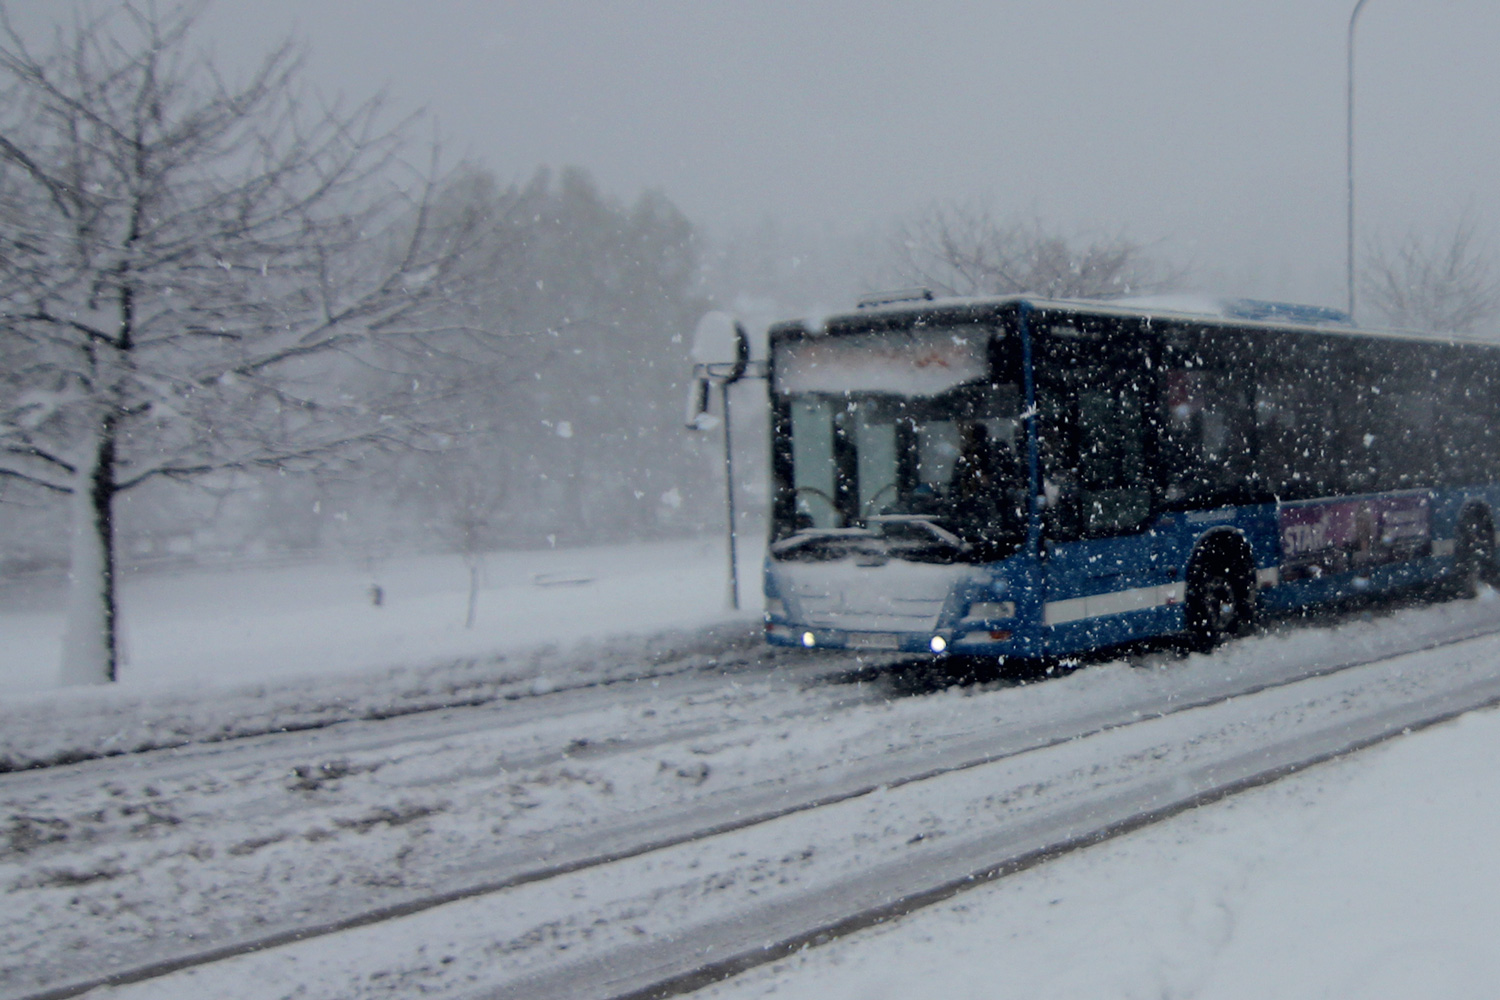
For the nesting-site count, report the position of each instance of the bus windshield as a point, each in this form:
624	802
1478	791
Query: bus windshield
899	443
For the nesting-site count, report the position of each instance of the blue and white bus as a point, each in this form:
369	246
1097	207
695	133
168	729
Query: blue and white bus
1013	477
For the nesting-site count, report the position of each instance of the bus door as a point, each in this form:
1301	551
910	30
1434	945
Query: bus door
1104	579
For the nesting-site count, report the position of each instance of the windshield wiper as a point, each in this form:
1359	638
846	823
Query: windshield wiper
924	521
808	536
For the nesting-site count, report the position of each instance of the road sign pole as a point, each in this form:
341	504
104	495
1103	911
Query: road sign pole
734	574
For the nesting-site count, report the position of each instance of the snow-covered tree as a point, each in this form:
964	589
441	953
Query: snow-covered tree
963	249
1446	282
196	276
572	423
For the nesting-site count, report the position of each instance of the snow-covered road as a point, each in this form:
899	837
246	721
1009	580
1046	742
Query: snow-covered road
585	814
1371	877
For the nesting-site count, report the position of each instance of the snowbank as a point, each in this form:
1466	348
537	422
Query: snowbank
1372	877
219	654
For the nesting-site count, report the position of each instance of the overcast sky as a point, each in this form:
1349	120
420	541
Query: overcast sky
1214	127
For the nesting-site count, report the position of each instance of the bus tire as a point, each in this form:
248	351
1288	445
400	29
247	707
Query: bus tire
1474	554
1220	598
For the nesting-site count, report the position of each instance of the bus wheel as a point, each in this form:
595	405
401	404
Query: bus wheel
1220	603
1474	556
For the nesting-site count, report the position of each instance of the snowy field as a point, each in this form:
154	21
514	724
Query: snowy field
222	626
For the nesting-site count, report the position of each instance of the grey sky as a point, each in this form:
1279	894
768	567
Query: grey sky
1216	126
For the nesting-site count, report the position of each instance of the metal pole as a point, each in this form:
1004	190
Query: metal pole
734	575
1349	148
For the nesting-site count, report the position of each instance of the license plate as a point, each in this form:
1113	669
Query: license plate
873	640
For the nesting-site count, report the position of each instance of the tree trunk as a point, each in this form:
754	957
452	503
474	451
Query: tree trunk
89	642
475	563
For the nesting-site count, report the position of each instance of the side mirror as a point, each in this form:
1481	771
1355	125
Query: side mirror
721	348
721	353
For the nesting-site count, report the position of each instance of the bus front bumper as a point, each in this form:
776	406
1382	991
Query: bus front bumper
1009	640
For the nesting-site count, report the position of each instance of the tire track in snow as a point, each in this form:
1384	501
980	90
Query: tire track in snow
696	978
378	698
645	843
374	729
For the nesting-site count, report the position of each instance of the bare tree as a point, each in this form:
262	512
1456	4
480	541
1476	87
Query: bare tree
581	296
195	276
469	509
1446	283
962	249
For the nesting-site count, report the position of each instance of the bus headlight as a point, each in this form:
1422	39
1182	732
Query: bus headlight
938	644
809	640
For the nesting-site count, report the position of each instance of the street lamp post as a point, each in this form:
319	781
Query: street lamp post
1349	147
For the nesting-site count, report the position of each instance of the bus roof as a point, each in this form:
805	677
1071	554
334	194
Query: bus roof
1238	313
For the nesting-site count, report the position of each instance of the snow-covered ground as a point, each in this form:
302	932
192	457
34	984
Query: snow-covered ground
155	854
1373	877
303	646
1366	875
221	626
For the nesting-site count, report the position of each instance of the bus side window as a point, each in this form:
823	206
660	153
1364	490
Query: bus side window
1058	451
1205	452
1094	466
1388	427
1115	492
1280	438
1469	453
1298	416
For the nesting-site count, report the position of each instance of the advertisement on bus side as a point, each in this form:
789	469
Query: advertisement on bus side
1327	537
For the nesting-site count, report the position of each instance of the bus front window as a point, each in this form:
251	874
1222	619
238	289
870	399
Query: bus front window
897	468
